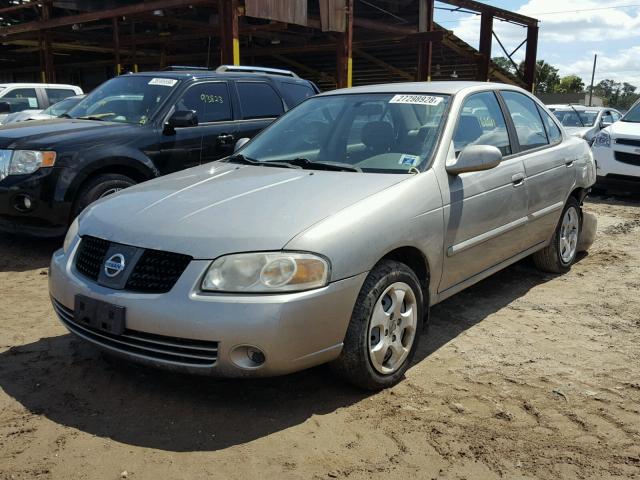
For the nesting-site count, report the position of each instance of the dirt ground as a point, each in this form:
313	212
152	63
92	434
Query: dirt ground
524	376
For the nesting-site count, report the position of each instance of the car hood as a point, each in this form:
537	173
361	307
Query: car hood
222	208
626	129
19	116
47	134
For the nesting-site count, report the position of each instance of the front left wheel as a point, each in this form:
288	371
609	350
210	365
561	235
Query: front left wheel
385	327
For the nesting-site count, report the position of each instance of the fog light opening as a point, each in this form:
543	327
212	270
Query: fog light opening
23	203
248	357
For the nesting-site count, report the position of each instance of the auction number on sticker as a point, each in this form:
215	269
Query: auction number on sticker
206	98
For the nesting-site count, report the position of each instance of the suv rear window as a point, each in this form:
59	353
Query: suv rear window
259	100
295	93
57	94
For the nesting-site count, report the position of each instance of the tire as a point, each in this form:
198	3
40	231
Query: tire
99	187
550	259
356	362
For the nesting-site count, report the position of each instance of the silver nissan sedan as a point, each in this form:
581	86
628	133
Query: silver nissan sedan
328	236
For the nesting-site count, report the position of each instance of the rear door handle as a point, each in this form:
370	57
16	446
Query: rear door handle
225	138
518	179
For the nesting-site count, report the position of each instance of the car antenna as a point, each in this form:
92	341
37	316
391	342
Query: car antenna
578	115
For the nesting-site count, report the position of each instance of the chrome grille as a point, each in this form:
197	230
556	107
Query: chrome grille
179	351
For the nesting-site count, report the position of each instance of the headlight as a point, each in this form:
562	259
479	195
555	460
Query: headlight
603	139
71	234
23	162
266	272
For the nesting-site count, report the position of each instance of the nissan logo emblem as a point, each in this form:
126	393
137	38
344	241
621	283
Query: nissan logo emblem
114	265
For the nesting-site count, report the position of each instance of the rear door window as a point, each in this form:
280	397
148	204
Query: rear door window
259	100
526	118
57	94
21	99
210	101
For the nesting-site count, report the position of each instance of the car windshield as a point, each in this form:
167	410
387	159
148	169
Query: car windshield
383	133
633	115
126	99
577	118
61	107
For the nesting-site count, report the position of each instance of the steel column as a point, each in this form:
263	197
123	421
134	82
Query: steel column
486	30
530	57
425	49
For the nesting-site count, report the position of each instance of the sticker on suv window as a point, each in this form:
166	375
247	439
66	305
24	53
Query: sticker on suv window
165	82
416	99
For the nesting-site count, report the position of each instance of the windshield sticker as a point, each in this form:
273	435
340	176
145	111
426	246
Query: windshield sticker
165	82
417	99
409	160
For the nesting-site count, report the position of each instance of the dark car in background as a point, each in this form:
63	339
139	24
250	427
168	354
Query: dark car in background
130	129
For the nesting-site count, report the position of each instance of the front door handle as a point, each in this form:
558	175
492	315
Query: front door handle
517	179
569	162
225	138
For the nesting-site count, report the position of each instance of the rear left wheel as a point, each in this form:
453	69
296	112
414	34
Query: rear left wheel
384	330
561	252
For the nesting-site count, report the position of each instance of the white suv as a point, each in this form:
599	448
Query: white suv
616	150
17	97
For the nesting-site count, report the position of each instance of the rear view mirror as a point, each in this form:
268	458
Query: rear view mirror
475	158
240	143
5	107
181	119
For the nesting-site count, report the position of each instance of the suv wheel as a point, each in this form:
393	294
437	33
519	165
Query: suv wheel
384	330
99	187
561	252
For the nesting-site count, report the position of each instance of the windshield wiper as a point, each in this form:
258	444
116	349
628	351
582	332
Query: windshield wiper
90	117
332	166
239	158
579	117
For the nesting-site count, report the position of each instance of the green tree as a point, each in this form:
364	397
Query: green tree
616	94
570	84
505	64
547	78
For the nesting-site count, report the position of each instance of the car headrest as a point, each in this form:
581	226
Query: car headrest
468	130
377	136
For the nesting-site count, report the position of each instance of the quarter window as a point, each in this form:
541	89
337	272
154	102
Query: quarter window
210	101
482	123
526	118
259	100
21	99
553	132
296	92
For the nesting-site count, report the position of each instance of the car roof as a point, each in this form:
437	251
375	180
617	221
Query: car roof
444	87
35	84
200	74
565	106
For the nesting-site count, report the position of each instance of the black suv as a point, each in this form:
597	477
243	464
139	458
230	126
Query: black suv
130	129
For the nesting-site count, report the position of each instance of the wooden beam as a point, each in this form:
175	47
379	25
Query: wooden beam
99	15
425	48
381	63
486	35
344	57
530	58
305	68
116	46
229	36
22	6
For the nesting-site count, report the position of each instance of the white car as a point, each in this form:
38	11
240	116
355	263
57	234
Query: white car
16	97
584	122
55	110
616	150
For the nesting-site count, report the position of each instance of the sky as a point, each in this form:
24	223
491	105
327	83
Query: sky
571	32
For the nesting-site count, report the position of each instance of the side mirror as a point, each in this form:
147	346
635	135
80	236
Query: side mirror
5	107
181	119
475	158
240	143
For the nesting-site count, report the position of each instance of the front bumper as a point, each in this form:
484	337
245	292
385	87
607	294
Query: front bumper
294	330
45	216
